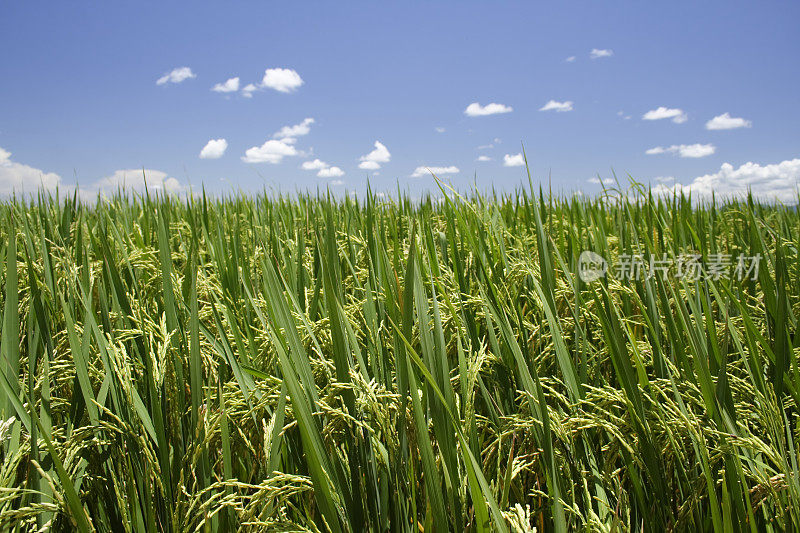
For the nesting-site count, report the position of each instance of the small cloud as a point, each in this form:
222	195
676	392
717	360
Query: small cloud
272	151
664	179
595	180
4	156
477	110
492	144
284	80
623	115
336	183
439	129
230	86
438	171
570	59
314	165
369	165
330	172
684	150
325	170
248	90
559	107
678	116
726	122
373	160
597	53
176	75
288	133
516	160
483	158
695	150
214	149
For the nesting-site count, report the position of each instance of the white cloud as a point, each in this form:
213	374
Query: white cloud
677	115
337	182
439	129
289	132
176	75
684	150
330	172
230	86
19	178
664	179
369	165
283	80
248	90
477	110
778	181
559	107
655	151
570	59
214	149
133	180
483	158
314	165
598	53
272	151
595	180
373	160
516	160
726	122
438	171
325	170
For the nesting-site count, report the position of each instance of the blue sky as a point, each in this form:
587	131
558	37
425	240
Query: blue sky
80	102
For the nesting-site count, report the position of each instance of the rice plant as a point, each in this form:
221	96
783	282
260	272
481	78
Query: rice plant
308	363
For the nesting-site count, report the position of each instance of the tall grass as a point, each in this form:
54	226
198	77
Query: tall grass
311	363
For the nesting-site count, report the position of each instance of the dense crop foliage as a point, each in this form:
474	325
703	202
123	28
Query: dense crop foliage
315	364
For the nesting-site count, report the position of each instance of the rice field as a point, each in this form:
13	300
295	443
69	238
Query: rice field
310	363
